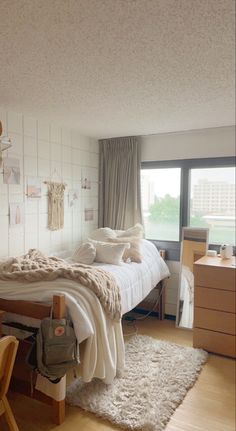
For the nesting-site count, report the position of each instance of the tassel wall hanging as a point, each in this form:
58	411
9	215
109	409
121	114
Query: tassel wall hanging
55	205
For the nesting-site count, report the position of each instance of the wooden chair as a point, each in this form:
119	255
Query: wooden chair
8	349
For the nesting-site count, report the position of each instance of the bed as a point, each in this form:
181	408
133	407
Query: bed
102	355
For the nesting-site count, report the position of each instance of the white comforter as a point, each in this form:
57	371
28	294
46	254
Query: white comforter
104	346
136	280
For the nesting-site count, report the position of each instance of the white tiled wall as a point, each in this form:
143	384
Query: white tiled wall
41	149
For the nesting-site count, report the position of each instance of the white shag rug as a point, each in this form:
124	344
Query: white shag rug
155	381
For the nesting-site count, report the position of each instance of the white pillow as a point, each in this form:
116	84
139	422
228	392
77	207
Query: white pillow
136	231
102	234
85	254
107	252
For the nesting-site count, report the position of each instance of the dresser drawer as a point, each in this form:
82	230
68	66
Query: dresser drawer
215	277
214	320
215	299
214	342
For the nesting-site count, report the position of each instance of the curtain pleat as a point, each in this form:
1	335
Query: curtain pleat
119	182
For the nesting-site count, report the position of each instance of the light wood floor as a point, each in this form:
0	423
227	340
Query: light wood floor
208	406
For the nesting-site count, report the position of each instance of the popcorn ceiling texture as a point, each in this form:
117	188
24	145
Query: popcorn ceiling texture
115	67
42	148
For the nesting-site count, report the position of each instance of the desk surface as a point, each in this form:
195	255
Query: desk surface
216	261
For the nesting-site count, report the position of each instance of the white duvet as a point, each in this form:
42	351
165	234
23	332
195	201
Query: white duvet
136	280
104	346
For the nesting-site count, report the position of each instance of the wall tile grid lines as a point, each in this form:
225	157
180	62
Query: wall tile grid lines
45	151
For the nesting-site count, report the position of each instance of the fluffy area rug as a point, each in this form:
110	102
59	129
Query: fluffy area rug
155	381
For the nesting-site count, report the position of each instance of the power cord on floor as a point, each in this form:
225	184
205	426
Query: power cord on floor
131	323
131	320
154	306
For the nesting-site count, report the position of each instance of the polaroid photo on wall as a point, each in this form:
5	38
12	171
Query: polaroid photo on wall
73	197
86	182
33	189
88	214
11	171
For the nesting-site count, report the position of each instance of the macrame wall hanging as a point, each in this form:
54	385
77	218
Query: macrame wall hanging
55	205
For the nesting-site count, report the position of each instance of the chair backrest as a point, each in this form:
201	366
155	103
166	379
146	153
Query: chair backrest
8	349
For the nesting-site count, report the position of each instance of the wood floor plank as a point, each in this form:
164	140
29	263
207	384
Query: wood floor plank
208	406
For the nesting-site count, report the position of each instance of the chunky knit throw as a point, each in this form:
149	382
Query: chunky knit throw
34	266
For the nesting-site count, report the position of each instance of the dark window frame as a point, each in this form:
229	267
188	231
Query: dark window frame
173	247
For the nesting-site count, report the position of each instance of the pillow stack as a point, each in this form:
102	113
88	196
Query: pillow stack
133	251
109	246
136	231
103	234
130	237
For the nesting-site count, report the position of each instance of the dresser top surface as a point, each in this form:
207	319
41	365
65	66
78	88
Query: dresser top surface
217	261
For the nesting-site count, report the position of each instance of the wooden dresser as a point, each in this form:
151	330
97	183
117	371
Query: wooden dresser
214	305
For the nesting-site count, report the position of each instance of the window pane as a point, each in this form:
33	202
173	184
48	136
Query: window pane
212	203
160	189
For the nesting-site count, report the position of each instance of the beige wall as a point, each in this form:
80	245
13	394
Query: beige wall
215	142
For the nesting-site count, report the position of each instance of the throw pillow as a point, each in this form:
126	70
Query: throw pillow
132	253
108	252
85	254
136	230
102	234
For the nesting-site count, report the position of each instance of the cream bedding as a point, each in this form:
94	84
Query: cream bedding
35	266
103	355
136	280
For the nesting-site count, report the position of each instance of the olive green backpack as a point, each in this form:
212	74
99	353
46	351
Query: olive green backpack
55	349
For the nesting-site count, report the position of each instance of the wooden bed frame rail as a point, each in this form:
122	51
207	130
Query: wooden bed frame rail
22	384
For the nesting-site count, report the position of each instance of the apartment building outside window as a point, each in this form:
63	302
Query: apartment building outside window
196	192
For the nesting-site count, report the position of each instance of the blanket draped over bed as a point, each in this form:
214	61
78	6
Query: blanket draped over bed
100	338
34	266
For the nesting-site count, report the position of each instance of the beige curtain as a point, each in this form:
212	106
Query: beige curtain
119	182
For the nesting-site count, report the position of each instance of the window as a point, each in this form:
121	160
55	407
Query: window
160	191
212	202
193	192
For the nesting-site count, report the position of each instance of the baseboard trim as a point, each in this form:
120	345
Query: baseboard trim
153	314
170	317
142	311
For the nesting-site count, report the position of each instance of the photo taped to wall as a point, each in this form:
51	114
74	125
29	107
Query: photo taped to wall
11	171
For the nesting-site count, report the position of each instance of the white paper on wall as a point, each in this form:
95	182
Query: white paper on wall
16	214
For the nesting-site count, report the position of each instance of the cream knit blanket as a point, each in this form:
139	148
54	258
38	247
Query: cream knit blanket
34	266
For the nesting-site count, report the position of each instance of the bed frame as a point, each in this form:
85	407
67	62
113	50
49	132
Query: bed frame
22	374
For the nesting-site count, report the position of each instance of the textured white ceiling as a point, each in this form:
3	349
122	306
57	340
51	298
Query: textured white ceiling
119	67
